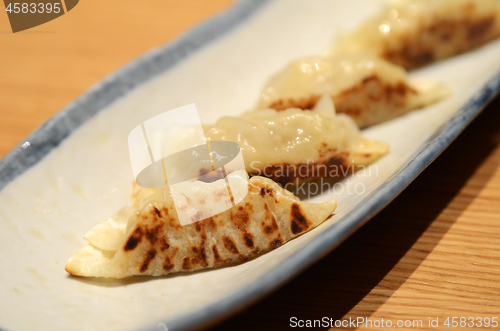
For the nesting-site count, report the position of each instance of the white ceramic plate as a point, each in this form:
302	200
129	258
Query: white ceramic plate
74	171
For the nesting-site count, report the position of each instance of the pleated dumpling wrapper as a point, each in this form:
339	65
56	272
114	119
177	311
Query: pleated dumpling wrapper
294	146
367	88
412	33
151	241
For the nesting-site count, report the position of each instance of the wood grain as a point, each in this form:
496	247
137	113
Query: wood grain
45	68
434	252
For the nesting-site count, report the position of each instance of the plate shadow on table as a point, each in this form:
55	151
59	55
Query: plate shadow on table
337	283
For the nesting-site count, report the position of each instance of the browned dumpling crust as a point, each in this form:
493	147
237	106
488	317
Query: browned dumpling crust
292	146
371	101
367	88
152	241
413	33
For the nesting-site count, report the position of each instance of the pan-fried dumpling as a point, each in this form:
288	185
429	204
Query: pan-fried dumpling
412	33
363	86
294	145
151	241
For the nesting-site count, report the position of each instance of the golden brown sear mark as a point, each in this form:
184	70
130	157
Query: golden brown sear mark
186	264
153	232
218	261
299	222
441	39
264	190
270	227
133	240
168	263
363	101
149	257
164	244
276	243
240	220
480	28
212	224
209	177
200	256
248	238
217	257
303	103
229	245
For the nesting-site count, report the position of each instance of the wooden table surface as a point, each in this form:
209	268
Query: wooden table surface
434	252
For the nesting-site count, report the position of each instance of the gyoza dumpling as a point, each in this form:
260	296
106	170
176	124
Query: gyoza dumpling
412	33
151	241
294	145
363	86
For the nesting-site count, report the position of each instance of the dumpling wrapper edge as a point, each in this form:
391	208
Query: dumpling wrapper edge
267	218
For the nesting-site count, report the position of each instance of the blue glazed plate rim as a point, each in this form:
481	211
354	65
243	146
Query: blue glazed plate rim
334	235
51	133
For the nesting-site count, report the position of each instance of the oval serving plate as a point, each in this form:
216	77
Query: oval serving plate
74	171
